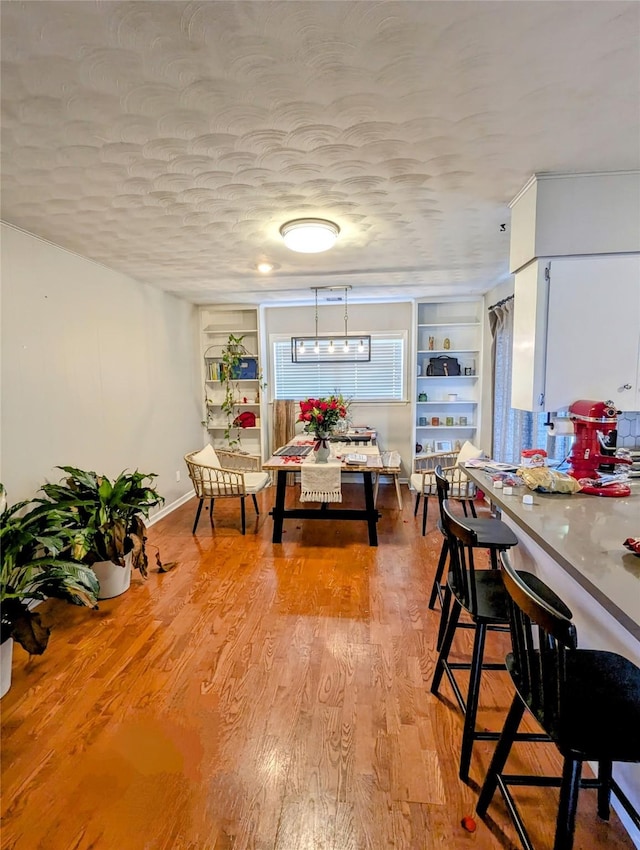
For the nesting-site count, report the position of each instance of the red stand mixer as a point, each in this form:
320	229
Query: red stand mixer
593	422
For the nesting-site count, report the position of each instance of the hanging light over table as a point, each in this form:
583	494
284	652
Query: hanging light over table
334	348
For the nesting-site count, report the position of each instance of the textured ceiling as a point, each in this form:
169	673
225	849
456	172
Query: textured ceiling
171	140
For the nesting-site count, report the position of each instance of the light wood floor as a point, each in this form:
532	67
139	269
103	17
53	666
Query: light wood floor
260	696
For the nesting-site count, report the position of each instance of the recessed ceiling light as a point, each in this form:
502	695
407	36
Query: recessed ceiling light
309	235
265	268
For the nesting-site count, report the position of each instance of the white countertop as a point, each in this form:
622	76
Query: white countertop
585	535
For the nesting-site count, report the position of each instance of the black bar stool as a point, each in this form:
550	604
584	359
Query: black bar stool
493	534
587	702
482	595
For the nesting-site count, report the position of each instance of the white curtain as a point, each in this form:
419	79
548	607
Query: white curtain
514	430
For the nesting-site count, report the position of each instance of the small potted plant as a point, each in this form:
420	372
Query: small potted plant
109	532
35	543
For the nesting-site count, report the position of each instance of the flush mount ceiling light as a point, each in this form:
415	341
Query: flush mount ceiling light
265	268
334	348
309	235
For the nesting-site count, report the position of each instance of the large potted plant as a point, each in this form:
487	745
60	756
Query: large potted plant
35	541
109	531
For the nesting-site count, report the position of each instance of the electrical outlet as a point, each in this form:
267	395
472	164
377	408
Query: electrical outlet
177	475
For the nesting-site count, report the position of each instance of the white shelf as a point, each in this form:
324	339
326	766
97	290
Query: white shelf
446	427
444	401
469	324
233	428
437	351
236	381
447	377
222	331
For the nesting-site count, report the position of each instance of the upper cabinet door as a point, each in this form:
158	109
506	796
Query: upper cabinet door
593	331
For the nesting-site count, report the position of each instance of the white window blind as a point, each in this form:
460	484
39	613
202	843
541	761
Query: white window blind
380	379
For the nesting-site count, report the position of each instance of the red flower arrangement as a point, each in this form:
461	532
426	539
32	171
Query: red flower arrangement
321	415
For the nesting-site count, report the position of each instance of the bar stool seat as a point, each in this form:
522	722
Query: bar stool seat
492	534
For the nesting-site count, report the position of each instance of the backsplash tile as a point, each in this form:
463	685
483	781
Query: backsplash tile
629	430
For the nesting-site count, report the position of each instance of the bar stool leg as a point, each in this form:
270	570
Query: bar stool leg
500	755
446	645
604	789
444	616
566	823
439	573
472	701
425	508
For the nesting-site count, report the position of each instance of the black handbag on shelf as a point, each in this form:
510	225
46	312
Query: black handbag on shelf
443	366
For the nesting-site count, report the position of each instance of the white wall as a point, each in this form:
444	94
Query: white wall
98	371
394	421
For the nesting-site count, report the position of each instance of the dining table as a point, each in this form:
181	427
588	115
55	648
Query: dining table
289	458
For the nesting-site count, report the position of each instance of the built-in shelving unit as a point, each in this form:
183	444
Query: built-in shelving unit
447	407
219	323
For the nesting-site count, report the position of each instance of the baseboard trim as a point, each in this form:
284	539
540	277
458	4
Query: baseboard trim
167	509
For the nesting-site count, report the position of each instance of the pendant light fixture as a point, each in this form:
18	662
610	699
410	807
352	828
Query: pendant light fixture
333	348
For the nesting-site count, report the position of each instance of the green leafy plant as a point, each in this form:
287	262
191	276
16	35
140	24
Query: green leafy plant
35	541
232	354
106	515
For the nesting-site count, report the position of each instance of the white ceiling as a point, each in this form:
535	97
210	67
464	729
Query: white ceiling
171	140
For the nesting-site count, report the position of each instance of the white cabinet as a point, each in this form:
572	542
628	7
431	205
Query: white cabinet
220	325
446	407
577	332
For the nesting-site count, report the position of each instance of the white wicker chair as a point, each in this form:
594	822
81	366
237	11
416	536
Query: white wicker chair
222	474
423	481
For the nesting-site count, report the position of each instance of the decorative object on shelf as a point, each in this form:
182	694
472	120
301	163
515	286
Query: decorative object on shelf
468	370
432	343
309	235
334	348
443	366
452	397
447	343
449	421
435	421
423	397
422	421
246	419
463	420
418	448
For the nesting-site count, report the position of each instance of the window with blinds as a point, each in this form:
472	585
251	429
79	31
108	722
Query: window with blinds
380	379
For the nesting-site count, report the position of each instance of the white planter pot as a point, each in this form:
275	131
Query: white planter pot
6	659
113	578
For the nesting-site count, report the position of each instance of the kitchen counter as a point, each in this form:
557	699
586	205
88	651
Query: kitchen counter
574	544
584	534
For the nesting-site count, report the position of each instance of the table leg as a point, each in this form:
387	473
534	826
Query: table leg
396	478
278	509
372	513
